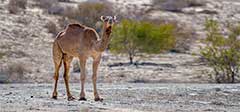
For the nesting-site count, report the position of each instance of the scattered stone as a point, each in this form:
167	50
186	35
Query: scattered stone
8	93
217	89
217	103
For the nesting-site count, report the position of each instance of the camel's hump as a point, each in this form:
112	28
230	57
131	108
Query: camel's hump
76	26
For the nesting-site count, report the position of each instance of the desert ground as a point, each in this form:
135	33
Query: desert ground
166	82
27	44
123	97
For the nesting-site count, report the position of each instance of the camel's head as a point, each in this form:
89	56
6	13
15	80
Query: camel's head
108	21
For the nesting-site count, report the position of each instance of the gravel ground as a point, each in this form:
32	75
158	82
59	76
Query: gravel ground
128	97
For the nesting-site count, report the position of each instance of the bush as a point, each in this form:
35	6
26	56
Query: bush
88	13
46	3
132	37
55	9
51	6
184	38
52	28
177	5
13	73
14	6
64	0
222	53
2	55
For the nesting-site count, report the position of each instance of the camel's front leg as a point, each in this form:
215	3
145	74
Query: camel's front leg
94	78
67	61
82	77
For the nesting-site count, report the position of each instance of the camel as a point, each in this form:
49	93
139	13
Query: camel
80	41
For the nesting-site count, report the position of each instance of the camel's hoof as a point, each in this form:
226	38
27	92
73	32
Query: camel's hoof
54	97
82	99
71	98
98	99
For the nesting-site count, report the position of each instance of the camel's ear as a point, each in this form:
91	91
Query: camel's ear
103	18
115	18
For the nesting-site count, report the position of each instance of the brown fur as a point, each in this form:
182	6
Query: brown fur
82	42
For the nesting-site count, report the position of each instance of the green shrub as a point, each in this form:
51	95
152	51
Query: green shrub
222	53
2	55
184	36
132	37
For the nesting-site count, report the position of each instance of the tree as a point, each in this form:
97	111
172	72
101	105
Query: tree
133	37
222	53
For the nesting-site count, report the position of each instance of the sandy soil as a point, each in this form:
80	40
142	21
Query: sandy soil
130	97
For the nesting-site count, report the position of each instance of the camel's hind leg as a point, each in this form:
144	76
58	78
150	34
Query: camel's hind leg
57	59
67	62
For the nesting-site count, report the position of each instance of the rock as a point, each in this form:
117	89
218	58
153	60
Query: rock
191	10
194	10
217	89
8	93
209	11
217	103
84	109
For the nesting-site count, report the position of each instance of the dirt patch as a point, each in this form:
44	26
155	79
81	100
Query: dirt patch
123	98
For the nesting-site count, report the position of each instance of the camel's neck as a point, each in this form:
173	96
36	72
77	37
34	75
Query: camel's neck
105	39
